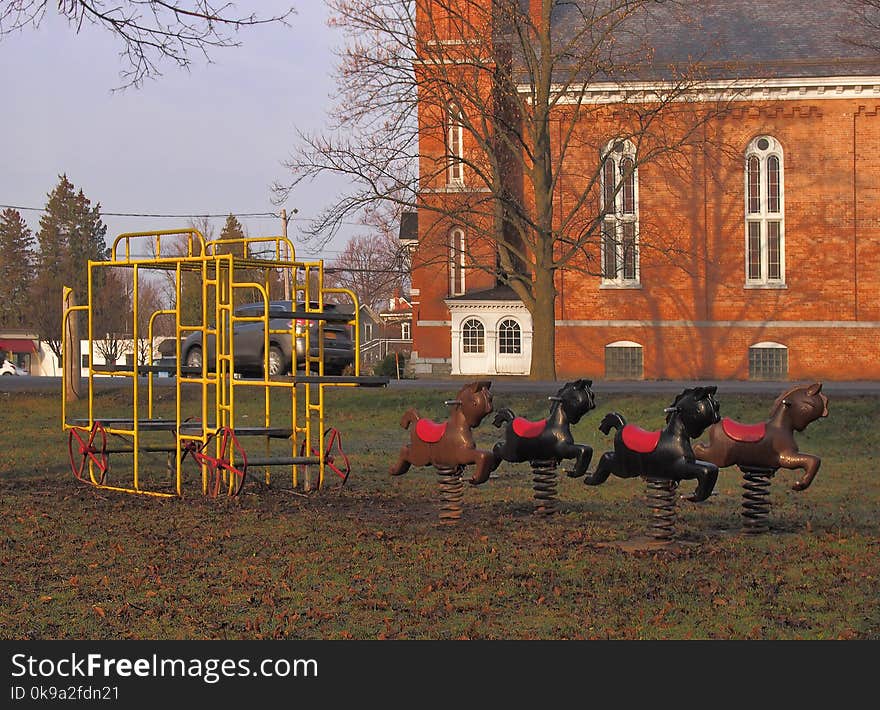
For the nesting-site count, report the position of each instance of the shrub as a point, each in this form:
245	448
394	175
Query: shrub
391	365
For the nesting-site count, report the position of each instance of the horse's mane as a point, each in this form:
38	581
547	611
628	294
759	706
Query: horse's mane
778	403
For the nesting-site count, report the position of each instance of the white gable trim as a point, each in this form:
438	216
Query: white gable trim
784	89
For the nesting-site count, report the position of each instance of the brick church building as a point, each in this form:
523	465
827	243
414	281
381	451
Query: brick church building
773	265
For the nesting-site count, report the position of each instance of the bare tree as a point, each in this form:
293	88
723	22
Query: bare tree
150	32
372	265
477	113
150	301
865	29
190	286
112	314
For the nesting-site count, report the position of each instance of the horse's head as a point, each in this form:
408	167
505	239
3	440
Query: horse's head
697	409
475	401
802	405
576	399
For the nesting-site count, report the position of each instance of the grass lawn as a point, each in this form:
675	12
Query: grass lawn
371	560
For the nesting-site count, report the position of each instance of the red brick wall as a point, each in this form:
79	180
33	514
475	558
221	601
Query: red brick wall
832	258
692	261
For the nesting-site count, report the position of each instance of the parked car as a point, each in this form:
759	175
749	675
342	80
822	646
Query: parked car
7	367
248	341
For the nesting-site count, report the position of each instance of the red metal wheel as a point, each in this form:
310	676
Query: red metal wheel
81	449
222	472
337	462
230	476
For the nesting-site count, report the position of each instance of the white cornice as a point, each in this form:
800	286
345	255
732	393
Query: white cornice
479	305
785	89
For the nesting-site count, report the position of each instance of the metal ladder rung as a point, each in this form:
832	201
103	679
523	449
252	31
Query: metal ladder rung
285	461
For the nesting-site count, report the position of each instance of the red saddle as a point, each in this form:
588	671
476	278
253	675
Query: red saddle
528	429
638	440
430	432
747	433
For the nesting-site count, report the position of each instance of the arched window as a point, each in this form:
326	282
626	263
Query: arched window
457	248
768	361
765	212
509	337
455	144
473	336
620	220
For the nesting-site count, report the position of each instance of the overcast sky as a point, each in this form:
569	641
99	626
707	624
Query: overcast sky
205	141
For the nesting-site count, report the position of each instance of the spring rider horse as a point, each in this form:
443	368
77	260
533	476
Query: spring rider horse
546	442
663	458
759	450
449	446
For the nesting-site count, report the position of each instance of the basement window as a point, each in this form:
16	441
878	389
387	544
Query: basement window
768	361
623	361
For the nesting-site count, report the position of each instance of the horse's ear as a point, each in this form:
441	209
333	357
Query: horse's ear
589	383
482	385
814	389
711	389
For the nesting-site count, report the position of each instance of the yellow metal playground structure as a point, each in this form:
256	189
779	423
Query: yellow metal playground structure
285	414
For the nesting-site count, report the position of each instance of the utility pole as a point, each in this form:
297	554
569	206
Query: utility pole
286	274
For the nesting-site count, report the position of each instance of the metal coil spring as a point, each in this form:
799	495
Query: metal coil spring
661	501
756	500
545	486
451	493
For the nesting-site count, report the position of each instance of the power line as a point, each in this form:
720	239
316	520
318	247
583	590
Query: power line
172	216
258	215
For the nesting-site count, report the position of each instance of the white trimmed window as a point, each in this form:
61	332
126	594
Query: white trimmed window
473	337
620	221
509	337
765	213
457	248
368	332
405	331
623	360
455	145
768	361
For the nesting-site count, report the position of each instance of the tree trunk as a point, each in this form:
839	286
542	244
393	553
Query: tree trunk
544	327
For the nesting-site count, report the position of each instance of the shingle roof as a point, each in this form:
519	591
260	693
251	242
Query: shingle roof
741	38
496	293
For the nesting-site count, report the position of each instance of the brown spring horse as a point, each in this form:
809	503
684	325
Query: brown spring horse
770	444
450	444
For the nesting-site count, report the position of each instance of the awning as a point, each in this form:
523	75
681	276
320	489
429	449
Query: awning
17	346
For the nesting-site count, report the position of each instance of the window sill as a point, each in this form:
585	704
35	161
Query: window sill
764	285
454	188
614	286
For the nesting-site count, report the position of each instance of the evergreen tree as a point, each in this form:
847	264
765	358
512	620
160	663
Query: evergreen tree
232	229
71	233
16	269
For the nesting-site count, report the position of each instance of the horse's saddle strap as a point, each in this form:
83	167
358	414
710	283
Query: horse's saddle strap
528	429
638	440
747	433
430	432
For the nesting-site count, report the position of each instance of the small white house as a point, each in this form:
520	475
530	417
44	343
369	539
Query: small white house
44	362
